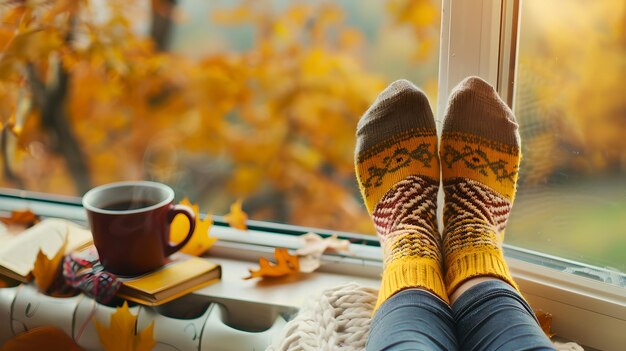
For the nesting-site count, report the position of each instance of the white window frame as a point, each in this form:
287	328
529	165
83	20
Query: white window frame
479	38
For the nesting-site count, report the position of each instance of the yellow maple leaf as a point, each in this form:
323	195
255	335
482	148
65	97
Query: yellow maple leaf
200	240
121	335
237	218
45	269
285	264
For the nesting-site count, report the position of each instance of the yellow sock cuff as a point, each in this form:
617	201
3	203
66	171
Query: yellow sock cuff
467	264
411	272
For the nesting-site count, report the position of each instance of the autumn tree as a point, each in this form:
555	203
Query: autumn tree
570	96
91	99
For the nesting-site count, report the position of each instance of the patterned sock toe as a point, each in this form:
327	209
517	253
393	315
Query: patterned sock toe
397	168
480	155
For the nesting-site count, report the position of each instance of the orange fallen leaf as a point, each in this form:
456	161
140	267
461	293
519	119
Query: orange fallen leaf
236	218
200	240
41	338
121	336
545	321
22	217
285	264
45	269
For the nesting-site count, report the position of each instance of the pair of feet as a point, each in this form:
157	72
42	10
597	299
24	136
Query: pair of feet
399	165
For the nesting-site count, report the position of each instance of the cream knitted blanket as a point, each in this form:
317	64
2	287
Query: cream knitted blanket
339	319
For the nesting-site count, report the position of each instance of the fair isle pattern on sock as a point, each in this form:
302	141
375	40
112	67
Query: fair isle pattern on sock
467	156
397	168
406	222
475	218
480	155
409	208
396	137
403	152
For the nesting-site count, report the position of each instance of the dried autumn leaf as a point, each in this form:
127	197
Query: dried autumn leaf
316	245
285	264
45	269
309	264
121	336
21	217
311	252
41	338
200	240
545	321
236	218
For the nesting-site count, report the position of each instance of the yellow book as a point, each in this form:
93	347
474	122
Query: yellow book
18	252
181	275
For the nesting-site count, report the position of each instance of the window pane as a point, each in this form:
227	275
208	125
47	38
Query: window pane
571	107
255	100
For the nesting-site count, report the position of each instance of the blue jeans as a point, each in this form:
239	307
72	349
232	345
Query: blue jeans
489	316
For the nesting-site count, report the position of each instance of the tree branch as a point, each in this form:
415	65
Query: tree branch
161	28
54	119
51	101
6	166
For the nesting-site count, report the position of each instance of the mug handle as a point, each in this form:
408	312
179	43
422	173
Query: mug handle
171	213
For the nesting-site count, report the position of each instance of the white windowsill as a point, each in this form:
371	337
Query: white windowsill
585	310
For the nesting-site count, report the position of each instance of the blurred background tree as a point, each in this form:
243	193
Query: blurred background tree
571	109
93	92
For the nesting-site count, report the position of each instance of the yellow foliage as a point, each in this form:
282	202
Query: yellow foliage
200	240
573	69
45	269
120	335
421	16
237	218
280	113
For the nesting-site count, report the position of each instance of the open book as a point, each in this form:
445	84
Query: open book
18	252
180	276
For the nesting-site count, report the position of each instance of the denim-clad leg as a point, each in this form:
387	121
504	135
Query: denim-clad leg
493	316
412	320
489	316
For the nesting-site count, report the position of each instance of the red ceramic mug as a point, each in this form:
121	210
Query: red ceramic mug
130	223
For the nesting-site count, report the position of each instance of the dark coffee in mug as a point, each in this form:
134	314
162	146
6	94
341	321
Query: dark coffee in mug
130	223
126	205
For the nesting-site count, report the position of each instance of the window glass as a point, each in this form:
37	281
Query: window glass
222	100
571	106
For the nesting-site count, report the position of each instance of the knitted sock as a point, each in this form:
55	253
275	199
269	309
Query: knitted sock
397	168
480	155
